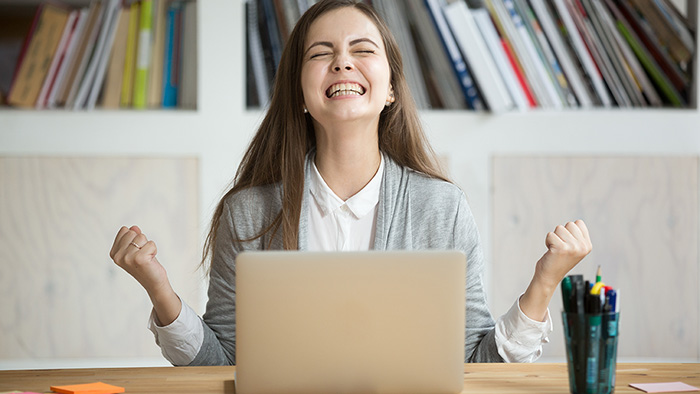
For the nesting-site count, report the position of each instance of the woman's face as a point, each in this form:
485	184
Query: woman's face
345	74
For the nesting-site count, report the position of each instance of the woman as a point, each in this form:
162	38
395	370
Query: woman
340	162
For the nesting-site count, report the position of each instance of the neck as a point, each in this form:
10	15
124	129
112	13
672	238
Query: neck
347	159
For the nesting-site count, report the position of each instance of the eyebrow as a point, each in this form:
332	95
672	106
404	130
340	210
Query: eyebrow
330	44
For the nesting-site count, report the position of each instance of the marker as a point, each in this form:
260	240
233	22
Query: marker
566	293
615	300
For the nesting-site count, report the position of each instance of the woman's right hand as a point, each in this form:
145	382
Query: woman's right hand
136	254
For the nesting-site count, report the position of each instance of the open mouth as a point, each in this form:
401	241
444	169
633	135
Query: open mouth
345	89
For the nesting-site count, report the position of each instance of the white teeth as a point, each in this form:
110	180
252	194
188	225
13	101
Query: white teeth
345	93
345	89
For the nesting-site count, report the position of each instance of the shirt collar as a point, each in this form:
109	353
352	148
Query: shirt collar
359	204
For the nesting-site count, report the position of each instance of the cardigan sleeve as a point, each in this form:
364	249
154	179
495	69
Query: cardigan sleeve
479	342
219	320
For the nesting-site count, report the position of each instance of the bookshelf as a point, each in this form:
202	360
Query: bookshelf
217	132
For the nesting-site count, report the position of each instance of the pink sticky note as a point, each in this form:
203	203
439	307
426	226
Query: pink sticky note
663	387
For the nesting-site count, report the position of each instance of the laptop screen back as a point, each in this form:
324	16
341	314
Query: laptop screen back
350	322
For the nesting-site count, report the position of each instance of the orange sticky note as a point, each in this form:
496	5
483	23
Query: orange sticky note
89	388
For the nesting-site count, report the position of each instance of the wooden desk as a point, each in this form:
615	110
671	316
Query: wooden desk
478	378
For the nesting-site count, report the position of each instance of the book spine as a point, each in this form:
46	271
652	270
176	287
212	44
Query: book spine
154	89
541	73
478	57
565	60
37	60
505	67
546	54
172	53
460	67
143	57
130	57
583	54
64	69
257	55
531	101
58	58
102	59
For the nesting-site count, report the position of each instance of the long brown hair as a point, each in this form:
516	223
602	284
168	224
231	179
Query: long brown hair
277	152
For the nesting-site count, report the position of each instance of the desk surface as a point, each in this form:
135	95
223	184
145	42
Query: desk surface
478	378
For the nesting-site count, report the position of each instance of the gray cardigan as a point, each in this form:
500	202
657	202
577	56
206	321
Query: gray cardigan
414	212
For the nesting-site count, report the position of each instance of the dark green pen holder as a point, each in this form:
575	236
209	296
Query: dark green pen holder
591	351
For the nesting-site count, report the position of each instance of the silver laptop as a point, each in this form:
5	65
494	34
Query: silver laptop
350	322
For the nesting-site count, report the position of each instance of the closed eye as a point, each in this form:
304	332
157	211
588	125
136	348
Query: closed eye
315	55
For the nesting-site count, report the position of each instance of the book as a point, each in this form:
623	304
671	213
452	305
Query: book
520	76
612	55
187	93
459	66
282	21
516	34
267	44
78	50
271	30
665	86
478	57
394	15
677	76
58	58
257	55
436	61
86	53
679	50
546	53
132	41
505	67
584	56
154	90
68	61
640	77
567	62
115	72
44	38
94	75
171	61
143	56
595	46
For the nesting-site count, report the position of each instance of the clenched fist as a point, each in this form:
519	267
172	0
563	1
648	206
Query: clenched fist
136	254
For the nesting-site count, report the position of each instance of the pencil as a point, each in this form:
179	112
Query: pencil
598	275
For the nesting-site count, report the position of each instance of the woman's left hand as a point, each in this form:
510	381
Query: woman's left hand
566	246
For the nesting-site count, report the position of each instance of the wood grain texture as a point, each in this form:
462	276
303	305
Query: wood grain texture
642	213
61	296
478	378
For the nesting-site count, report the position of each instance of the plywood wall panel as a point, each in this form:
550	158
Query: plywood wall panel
642	213
61	296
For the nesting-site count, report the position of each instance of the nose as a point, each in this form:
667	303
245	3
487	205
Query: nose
342	62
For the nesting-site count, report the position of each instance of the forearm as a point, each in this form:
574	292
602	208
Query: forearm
535	301
166	304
